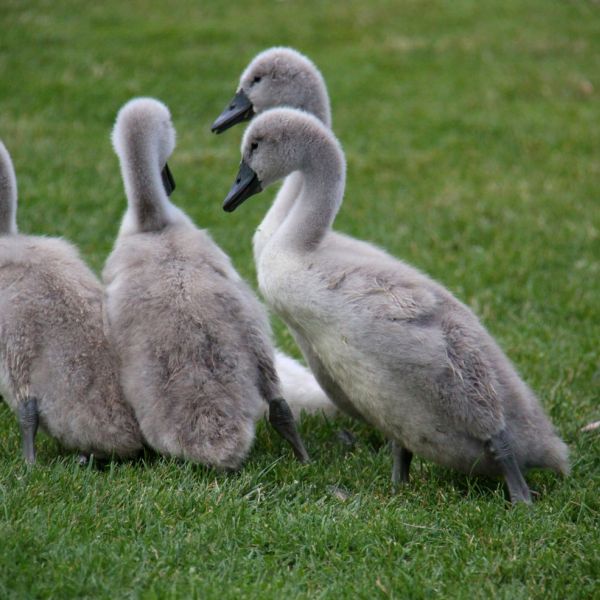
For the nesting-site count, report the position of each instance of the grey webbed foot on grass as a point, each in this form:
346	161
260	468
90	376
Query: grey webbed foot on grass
282	420
499	448
401	465
28	422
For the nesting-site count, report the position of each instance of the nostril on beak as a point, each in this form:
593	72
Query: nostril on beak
238	179
231	106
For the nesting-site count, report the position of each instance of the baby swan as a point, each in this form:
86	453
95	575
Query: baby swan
56	367
398	347
284	77
277	77
194	342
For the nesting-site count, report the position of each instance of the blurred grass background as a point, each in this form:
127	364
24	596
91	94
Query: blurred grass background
473	141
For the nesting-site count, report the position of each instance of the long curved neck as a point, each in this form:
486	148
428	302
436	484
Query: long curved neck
292	185
313	212
276	215
8	194
148	202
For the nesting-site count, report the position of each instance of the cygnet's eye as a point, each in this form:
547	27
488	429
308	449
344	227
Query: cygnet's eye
256	79
254	144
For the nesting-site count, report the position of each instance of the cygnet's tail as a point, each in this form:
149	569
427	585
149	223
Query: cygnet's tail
8	193
557	456
546	450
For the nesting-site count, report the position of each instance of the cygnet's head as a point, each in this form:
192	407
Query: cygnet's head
144	132
277	77
276	143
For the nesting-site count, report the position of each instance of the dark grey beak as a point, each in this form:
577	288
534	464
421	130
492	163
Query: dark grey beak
238	110
246	185
167	179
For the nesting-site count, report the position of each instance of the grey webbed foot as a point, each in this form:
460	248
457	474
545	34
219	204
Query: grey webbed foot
500	449
28	422
401	465
282	420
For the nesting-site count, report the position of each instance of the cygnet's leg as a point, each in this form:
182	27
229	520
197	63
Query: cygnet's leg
282	420
401	466
28	422
500	449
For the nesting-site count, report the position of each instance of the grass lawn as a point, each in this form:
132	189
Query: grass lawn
472	132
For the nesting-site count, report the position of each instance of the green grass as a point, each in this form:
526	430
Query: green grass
473	143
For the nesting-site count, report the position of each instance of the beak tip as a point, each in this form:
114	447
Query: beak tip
246	185
238	110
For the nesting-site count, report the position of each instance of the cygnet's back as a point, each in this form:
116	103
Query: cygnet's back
56	366
197	362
